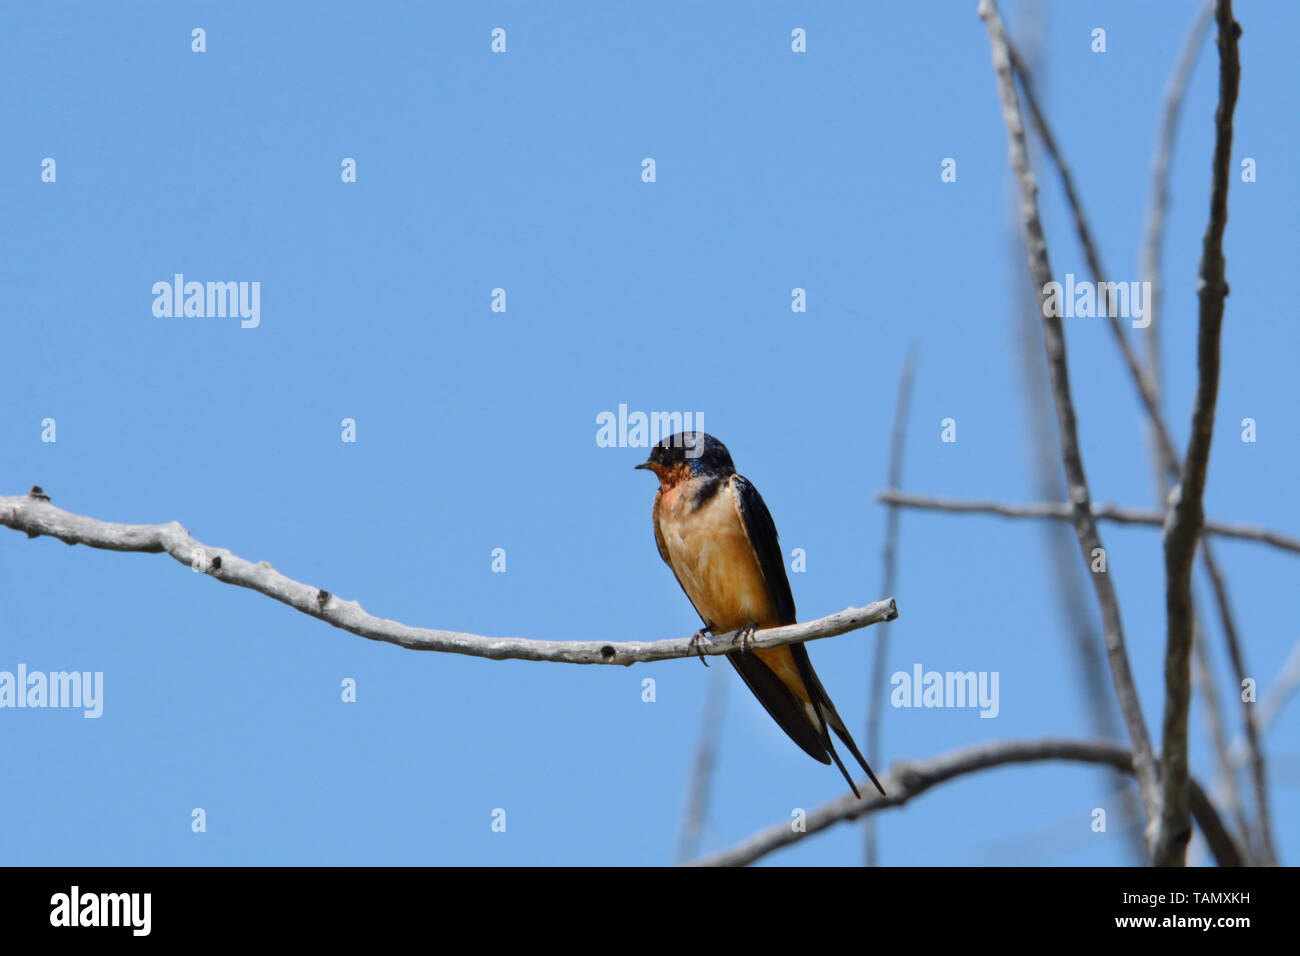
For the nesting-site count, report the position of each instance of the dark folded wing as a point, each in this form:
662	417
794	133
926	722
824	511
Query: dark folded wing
781	703
816	741
762	537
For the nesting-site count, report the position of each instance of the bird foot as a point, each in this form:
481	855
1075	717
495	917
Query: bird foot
744	636
700	638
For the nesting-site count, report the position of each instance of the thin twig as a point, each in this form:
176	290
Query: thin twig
907	780
1286	685
1186	515
1063	512
1077	616
877	690
1078	620
697	800
1263	846
1145	390
1151	248
1085	526
33	514
1288	681
1229	791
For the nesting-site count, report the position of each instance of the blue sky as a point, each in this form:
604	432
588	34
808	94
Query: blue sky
477	429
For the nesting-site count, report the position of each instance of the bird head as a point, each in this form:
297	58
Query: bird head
688	455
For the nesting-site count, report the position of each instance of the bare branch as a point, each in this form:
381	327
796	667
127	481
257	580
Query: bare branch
1227	791
1079	623
877	690
907	780
1150	260
1146	387
697	797
1264	831
1085	526
33	514
1160	186
1288	681
1242	750
1146	391
1061	511
1186	515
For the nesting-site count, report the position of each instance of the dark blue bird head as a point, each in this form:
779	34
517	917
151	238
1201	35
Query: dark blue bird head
688	455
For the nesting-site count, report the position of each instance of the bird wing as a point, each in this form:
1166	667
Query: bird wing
761	531
777	697
787	709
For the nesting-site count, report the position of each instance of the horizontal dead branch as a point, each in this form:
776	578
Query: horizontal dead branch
1062	511
33	514
907	780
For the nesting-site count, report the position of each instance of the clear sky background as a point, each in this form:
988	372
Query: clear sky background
477	429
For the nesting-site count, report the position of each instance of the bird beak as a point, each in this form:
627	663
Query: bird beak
644	464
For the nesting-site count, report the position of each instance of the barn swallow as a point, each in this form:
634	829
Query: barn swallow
716	534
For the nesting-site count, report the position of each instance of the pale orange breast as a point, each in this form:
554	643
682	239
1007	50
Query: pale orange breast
713	559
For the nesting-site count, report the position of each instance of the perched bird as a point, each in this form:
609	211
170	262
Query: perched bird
715	533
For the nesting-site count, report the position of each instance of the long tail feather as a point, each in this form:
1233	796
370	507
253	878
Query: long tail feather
831	720
830	749
842	732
